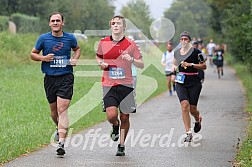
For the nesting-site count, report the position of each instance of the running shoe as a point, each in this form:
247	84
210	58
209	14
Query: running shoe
170	92
197	125
114	134
60	150
174	88
120	150
188	137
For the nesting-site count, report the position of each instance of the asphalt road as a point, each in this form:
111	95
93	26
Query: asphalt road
156	134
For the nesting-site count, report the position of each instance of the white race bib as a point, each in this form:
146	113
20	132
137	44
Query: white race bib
59	61
116	73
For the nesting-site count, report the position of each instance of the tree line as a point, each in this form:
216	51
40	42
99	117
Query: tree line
79	14
227	21
232	19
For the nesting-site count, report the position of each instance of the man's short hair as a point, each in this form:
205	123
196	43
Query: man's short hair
54	13
169	43
119	17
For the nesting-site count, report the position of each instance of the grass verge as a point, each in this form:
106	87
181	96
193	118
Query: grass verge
244	154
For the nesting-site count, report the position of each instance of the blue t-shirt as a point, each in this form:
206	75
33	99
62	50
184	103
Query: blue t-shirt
61	48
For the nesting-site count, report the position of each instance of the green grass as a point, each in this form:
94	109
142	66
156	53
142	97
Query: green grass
26	125
23	111
25	120
244	155
25	115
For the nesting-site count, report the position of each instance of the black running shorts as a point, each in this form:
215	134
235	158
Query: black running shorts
119	96
60	85
169	73
191	93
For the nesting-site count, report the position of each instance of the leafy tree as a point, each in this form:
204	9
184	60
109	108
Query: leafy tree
234	25
32	8
189	15
7	7
79	15
185	22
139	14
99	13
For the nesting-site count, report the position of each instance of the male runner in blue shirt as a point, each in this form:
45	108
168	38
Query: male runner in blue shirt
57	65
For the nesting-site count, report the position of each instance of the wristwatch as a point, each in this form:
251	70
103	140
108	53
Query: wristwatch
192	65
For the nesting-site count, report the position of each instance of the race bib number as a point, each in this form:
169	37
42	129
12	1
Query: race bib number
180	78
219	58
116	73
59	61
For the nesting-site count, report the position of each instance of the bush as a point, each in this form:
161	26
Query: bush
16	48
4	23
25	23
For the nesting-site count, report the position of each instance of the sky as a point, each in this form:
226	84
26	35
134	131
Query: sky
157	7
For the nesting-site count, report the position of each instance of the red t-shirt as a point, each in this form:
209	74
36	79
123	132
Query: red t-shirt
119	70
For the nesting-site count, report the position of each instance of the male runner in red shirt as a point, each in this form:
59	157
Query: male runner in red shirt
115	55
